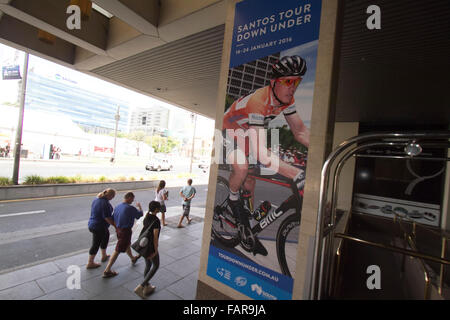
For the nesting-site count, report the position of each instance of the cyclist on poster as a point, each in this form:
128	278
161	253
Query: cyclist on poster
247	116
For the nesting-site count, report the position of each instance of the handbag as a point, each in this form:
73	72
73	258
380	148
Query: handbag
142	244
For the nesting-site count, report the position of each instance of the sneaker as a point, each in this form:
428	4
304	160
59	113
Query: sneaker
259	248
139	290
149	289
238	210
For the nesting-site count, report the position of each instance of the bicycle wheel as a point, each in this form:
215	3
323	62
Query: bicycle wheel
287	241
224	225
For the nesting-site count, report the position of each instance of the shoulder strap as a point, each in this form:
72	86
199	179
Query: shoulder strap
149	227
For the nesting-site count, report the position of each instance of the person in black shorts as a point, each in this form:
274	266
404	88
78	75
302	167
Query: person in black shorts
101	218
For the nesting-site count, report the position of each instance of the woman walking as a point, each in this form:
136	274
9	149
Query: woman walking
151	255
161	195
101	218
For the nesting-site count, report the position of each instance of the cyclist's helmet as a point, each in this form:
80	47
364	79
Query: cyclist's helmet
289	66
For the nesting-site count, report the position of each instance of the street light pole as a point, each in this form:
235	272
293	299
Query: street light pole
117	118
18	142
194	118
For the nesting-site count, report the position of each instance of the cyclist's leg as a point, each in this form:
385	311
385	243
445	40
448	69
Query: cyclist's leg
239	171
249	185
237	178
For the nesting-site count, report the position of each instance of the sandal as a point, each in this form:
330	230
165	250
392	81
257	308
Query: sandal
105	258
134	260
92	266
109	274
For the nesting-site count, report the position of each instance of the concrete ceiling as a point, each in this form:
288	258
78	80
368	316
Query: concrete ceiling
185	71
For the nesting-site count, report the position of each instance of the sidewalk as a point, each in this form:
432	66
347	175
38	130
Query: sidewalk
176	278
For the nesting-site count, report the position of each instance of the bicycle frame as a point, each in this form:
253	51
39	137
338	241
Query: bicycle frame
290	203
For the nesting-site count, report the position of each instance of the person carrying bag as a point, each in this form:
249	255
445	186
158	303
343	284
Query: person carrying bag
143	245
147	246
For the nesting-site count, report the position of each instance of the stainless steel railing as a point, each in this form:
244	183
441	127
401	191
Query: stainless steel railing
321	277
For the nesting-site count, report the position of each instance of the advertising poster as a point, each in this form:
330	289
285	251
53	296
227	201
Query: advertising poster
265	135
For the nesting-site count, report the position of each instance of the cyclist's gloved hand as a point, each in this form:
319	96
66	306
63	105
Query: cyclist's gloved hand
299	180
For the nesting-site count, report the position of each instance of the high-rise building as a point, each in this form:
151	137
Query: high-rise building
92	111
151	120
250	76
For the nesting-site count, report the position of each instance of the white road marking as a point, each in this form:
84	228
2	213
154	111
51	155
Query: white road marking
21	213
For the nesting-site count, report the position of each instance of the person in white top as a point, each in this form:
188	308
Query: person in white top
161	195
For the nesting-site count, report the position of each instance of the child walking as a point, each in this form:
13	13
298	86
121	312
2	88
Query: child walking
161	195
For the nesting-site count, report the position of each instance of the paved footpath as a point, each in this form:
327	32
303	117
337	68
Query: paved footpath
176	278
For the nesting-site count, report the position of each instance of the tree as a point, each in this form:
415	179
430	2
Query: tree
138	136
228	102
287	139
162	144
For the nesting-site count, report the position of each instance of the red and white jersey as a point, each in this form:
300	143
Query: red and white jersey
256	109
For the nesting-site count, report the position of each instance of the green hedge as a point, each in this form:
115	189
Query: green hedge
37	180
5	181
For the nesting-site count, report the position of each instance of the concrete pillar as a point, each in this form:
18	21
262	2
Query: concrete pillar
322	127
208	288
321	137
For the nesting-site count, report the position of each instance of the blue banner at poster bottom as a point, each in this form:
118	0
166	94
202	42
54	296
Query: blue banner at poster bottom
243	275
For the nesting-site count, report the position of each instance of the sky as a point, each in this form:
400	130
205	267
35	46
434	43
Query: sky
9	88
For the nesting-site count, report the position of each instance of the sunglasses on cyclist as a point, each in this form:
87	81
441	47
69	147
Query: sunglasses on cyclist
289	82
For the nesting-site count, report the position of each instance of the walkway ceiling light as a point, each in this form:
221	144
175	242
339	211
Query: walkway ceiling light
46	37
85	8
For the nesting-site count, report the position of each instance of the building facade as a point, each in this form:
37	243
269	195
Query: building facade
93	112
248	77
151	120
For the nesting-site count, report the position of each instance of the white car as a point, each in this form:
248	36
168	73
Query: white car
204	164
158	165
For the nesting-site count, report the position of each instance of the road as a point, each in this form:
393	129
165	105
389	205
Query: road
94	167
36	230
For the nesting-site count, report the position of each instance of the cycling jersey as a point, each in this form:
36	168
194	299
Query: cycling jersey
256	109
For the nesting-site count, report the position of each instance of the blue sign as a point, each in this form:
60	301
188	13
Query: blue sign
265	27
253	280
11	73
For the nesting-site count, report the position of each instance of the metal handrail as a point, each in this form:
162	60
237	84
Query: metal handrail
425	272
441	271
334	197
413	246
407	252
328	253
339	257
318	258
